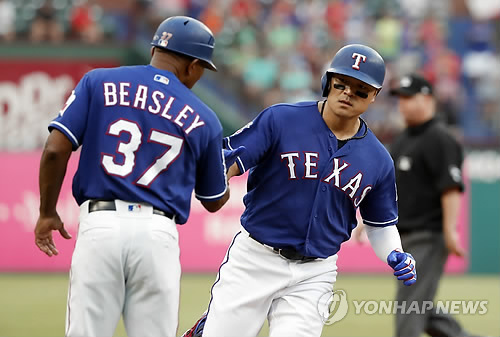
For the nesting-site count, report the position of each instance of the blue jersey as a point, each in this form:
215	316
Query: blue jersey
303	191
145	137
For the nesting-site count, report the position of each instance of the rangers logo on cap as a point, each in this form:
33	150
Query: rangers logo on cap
358	58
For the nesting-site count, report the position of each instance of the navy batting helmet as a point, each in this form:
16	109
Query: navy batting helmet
357	61
186	36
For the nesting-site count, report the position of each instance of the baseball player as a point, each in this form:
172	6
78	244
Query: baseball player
146	142
312	164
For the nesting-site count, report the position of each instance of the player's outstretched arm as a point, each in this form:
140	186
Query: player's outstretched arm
233	171
386	243
230	157
53	165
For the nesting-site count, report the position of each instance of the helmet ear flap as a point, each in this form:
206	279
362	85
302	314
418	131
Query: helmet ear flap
325	84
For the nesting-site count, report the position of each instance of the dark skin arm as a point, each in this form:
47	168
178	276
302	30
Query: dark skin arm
214	206
53	165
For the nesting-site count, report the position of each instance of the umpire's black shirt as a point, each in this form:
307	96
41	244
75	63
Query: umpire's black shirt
428	161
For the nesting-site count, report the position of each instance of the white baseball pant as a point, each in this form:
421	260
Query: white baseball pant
254	283
125	262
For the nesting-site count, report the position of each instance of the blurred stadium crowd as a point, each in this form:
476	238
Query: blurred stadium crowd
277	50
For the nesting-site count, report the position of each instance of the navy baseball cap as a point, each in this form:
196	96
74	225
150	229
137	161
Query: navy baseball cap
411	85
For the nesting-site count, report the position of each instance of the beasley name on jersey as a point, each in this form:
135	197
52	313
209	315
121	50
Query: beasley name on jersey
146	137
302	190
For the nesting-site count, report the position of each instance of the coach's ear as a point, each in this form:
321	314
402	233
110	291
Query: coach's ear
195	65
191	73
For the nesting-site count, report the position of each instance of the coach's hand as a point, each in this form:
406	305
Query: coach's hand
43	233
404	266
231	155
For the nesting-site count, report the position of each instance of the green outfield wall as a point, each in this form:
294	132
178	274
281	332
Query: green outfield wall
483	169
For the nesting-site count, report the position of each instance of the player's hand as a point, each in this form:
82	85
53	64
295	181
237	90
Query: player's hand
231	155
197	329
404	266
453	245
43	233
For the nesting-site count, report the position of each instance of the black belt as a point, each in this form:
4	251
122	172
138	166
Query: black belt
288	253
109	205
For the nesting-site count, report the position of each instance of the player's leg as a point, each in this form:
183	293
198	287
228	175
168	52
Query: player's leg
248	279
296	310
96	291
152	276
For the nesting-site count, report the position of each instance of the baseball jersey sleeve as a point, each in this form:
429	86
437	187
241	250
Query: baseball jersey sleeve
211	182
72	119
445	162
380	206
256	136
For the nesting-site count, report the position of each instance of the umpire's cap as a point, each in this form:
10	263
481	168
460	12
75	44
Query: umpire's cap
411	85
187	36
357	61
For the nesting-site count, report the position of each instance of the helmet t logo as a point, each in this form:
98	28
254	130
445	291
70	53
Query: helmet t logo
358	58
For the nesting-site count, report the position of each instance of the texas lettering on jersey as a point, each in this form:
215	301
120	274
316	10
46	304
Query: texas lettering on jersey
120	94
303	190
350	185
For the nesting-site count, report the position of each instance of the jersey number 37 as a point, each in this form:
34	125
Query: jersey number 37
127	149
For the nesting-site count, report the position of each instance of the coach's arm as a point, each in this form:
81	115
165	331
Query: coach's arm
53	165
214	206
232	170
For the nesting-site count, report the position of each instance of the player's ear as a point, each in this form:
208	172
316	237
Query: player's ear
152	51
375	96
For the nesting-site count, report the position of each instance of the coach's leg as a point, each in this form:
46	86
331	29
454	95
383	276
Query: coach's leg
96	291
248	278
152	280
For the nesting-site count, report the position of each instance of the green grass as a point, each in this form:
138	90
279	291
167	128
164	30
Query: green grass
35	304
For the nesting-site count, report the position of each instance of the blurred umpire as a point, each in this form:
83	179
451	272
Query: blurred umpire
428	162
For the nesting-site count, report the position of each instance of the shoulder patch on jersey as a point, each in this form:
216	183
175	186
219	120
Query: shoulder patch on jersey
455	173
404	163
70	100
248	125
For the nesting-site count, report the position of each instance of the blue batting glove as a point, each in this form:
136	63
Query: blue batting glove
197	329
231	155
404	266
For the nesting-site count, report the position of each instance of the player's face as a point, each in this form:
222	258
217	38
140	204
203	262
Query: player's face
350	97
